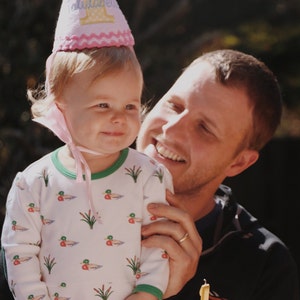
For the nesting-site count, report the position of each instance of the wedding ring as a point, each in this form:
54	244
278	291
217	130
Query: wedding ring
183	238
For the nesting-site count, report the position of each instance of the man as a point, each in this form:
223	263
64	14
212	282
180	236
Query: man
211	125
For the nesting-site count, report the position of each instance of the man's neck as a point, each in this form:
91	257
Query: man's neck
197	204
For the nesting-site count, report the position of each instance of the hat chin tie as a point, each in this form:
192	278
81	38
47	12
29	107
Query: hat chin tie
55	121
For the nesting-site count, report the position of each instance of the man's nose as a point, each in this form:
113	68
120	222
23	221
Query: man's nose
176	125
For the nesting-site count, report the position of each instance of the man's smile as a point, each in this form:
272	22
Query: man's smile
166	153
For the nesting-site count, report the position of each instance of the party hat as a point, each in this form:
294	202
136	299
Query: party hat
91	24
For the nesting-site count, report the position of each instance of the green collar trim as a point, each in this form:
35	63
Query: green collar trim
118	163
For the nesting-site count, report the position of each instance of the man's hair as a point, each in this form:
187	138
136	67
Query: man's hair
235	69
64	65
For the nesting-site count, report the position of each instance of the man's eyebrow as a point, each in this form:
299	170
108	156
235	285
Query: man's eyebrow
174	97
209	121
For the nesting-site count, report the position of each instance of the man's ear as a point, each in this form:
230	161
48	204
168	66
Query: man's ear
244	160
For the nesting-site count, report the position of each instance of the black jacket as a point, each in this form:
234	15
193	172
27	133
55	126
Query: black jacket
241	260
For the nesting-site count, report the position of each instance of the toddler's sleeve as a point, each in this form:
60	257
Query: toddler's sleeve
155	262
21	241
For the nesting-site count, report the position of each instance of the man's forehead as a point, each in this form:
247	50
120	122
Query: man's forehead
196	74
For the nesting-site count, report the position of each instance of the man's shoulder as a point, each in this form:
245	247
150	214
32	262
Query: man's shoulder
254	236
251	230
258	250
253	258
240	227
242	231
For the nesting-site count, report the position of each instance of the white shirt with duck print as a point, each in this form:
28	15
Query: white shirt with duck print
56	249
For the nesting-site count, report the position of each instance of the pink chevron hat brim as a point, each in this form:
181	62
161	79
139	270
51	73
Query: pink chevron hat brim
91	24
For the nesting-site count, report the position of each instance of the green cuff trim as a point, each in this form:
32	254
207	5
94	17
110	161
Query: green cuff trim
150	289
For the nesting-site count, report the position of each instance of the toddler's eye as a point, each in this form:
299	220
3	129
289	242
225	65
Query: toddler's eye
130	107
103	105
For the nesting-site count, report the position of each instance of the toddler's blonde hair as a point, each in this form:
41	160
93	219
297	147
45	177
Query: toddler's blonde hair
64	65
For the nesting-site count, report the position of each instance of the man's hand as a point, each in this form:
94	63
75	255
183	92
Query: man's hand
179	238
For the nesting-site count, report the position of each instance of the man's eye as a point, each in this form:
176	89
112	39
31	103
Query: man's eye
103	105
174	106
204	128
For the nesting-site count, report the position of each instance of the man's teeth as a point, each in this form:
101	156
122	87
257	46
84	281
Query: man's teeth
168	154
